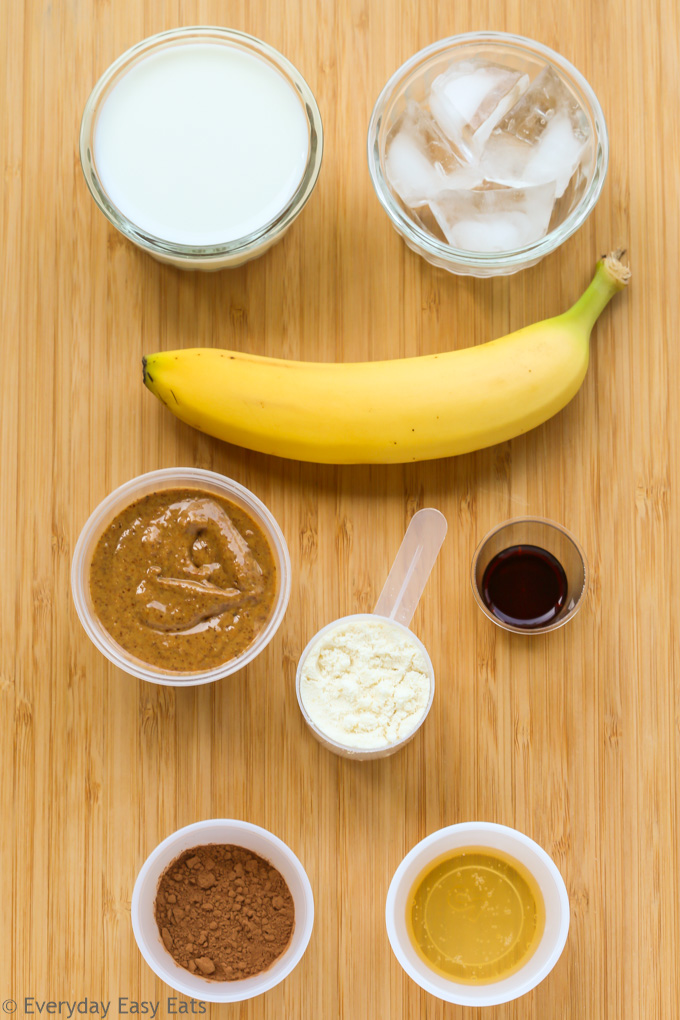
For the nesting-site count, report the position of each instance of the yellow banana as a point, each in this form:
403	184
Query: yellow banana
387	412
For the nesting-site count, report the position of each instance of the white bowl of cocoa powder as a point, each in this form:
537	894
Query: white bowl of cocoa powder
222	910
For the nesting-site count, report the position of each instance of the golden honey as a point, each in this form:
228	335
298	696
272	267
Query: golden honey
475	915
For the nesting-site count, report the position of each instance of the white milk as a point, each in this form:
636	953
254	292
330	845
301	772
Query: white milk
201	144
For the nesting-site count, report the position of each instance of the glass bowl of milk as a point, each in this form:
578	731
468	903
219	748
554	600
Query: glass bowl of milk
201	145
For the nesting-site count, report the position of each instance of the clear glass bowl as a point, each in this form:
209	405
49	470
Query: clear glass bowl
136	488
414	77
209	257
546	535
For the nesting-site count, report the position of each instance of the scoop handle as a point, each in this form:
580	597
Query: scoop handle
412	566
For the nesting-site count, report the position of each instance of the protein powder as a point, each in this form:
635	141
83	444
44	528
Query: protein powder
365	683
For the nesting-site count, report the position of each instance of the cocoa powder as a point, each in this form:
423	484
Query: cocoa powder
223	912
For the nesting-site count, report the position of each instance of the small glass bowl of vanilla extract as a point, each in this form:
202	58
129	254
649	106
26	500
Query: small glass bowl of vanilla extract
529	575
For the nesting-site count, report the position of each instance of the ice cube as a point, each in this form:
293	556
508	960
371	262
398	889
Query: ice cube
557	154
505	160
570	199
546	97
553	128
470	98
426	219
409	171
419	159
494	220
554	156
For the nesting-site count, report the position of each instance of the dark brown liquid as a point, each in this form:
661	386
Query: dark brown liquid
525	586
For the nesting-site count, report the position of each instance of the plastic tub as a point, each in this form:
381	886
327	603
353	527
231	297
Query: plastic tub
148	937
513	51
524	850
156	481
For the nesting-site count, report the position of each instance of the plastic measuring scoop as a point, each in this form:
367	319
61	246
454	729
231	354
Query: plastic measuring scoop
397	603
412	566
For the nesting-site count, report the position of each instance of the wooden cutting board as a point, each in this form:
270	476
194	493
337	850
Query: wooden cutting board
572	738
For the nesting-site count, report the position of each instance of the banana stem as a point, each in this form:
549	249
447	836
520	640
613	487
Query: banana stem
610	277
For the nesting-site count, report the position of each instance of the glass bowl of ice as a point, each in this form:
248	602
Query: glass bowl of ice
487	151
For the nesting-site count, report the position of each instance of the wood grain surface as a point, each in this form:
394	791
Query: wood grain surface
572	738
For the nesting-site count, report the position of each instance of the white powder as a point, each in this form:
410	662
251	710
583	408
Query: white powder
365	683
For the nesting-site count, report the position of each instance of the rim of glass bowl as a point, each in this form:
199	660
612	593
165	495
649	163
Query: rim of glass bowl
518	256
242	245
346	750
560	621
103	514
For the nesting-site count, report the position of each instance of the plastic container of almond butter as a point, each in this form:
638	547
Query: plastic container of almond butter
155	589
194	891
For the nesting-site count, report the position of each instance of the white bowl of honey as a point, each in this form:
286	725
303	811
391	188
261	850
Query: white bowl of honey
477	914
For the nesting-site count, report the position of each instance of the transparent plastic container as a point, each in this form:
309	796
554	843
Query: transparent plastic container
130	492
224	831
547	535
215	256
417	74
395	607
526	852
